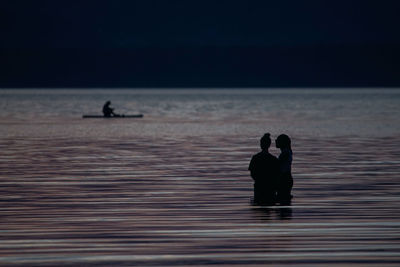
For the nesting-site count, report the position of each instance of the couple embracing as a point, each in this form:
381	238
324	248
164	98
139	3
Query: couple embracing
272	176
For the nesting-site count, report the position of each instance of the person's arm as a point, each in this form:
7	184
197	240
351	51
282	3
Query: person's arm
284	162
251	169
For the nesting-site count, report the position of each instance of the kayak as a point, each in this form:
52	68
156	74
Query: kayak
112	117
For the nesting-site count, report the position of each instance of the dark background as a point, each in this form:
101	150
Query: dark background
190	43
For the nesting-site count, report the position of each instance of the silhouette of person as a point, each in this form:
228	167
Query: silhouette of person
107	110
264	169
285	180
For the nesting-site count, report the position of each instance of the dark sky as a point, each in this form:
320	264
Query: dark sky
190	43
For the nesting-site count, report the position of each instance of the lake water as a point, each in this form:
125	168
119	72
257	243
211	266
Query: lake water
173	189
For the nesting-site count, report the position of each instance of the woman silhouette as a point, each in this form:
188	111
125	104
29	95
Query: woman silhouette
285	181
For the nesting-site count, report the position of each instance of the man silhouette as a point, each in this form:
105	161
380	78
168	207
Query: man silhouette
264	169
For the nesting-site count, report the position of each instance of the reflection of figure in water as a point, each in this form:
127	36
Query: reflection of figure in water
280	213
264	171
285	182
107	110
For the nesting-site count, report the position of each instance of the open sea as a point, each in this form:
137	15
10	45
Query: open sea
173	189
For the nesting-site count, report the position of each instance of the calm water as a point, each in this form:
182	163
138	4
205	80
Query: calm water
173	188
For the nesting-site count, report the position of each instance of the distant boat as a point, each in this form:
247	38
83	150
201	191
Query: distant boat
112	117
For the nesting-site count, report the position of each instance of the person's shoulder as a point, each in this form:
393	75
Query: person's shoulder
272	157
265	156
268	155
255	159
258	155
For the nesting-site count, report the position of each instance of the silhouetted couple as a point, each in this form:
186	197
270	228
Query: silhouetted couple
272	176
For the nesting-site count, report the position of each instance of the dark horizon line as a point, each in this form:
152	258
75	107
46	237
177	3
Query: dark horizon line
200	88
318	45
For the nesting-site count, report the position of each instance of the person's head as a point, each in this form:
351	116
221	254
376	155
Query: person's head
108	102
265	141
283	142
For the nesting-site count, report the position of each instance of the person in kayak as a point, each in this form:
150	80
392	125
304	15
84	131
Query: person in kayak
107	110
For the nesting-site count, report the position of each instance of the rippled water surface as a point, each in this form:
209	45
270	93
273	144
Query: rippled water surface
173	188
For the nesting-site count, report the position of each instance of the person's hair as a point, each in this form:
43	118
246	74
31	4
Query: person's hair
283	141
265	141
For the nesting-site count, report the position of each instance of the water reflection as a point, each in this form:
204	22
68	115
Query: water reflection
273	213
109	202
